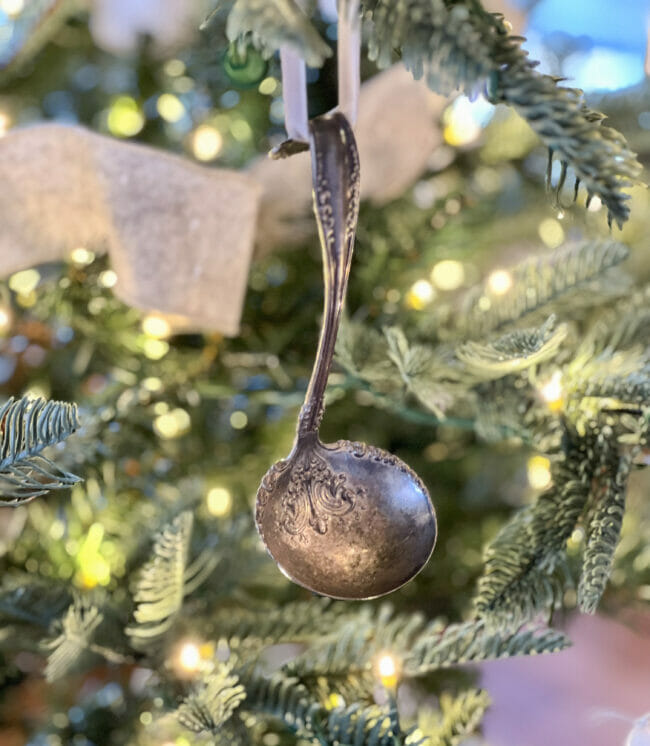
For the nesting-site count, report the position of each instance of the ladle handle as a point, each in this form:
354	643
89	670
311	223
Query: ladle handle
335	180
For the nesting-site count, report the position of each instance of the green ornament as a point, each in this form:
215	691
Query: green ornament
246	67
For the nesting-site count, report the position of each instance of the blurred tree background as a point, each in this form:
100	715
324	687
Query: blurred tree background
178	427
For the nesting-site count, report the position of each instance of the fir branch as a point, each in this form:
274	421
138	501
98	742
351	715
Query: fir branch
474	641
27	426
302	621
271	24
603	534
162	584
458	718
213	702
537	282
513	352
420	371
523	563
75	633
289	700
26	601
459	45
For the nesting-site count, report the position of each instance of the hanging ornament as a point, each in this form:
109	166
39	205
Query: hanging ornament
245	67
344	519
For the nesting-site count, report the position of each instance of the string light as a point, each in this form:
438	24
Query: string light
188	659
107	278
24	282
5	319
174	68
206	143
124	117
551	232
448	274
219	501
156	326
12	7
268	86
173	424
155	349
388	670
170	107
93	568
5	123
539	472
500	281
464	120
334	701
595	204
238	420
420	295
82	257
552	392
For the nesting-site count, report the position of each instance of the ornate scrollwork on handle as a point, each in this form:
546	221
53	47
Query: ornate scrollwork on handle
315	494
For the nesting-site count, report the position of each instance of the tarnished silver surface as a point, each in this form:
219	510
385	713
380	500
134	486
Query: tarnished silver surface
344	519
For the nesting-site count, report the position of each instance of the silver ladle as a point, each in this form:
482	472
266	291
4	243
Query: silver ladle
343	519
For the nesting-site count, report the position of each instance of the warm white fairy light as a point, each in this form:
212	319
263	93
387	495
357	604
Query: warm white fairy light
388	670
81	256
156	326
448	274
189	657
539	472
500	281
219	501
5	123
552	392
12	8
206	143
420	294
5	319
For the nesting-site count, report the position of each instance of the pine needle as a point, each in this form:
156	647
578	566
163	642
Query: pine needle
27	426
271	24
457	45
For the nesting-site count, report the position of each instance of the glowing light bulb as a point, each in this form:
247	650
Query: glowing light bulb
12	7
238	420
24	282
551	232
448	274
206	143
595	204
124	117
81	257
189	657
5	123
387	669
552	392
539	472
156	326
173	424
5	319
107	278
219	501
170	107
500	281
420	294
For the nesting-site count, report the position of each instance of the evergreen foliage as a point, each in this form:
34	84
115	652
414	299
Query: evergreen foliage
27	426
156	551
268	25
460	46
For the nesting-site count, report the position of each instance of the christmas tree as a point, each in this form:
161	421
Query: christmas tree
158	324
